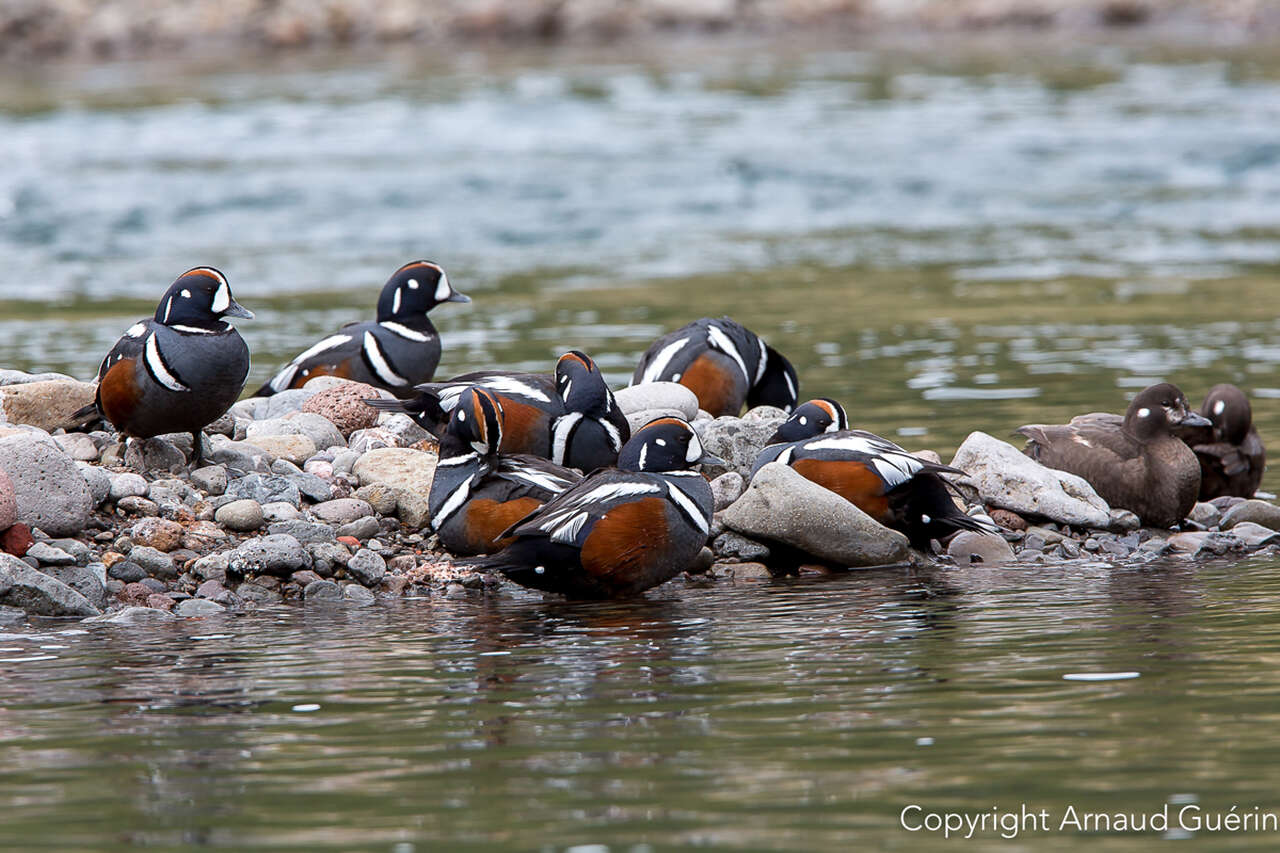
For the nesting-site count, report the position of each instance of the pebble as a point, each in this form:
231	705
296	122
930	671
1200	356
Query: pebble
781	505
197	607
1256	511
133	615
343	406
399	467
278	554
280	511
727	488
127	571
265	489
153	561
731	544
738	441
137	506
37	593
47	404
240	515
48	489
48	555
304	531
342	510
328	557
322	590
362	528
295	448
211	479
972	547
366	567
98	481
357	596
78	446
158	533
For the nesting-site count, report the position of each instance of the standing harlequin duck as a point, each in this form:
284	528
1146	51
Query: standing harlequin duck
1231	454
724	364
397	351
620	530
1135	463
476	494
179	371
894	487
569	417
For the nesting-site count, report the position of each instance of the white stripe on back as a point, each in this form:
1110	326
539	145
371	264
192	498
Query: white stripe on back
157	367
653	373
379	362
722	342
404	331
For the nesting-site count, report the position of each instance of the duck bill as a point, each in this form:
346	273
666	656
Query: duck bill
711	459
238	310
1194	419
458	297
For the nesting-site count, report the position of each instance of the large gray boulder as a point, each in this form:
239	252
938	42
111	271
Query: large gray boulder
50	491
657	395
780	505
738	441
1007	478
37	593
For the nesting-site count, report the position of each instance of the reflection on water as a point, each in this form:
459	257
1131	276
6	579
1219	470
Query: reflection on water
798	714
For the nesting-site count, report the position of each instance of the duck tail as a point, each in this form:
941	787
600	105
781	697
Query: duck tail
425	409
84	415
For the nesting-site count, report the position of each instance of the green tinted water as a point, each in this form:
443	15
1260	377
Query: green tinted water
945	242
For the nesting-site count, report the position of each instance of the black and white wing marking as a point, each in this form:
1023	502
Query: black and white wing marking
285	377
130	345
568	519
536	474
894	465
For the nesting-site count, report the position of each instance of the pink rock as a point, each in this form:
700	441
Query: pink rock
16	540
344	406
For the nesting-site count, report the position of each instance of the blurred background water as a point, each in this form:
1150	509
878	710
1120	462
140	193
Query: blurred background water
947	240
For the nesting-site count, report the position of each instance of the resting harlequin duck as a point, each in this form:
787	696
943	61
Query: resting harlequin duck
476	494
180	370
724	364
1230	452
620	530
1135	462
569	417
894	487
397	351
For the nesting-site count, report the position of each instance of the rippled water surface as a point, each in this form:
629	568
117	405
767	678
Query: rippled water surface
947	240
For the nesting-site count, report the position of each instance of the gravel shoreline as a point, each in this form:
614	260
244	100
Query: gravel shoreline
42	29
311	496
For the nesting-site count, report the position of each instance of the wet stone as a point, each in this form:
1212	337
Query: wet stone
322	590
357	596
735	545
153	561
328	557
197	607
127	571
1255	511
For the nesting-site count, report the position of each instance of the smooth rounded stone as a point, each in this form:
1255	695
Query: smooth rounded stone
327	557
319	429
781	505
1252	534
283	403
98	481
19	377
133	615
74	547
344	461
1121	520
78	446
211	479
412	509
137	506
736	441
404	428
1069	549
322	590
400	467
971	547
240	515
280	511
8	502
356	595
657	395
83	579
341	511
1226	502
744	571
1256	511
1185	543
322	468
304	531
154	454
127	485
735	545
1008	520
343	406
159	533
48	555
1091	545
37	593
153	561
1044	535
212	566
265	489
1007	478
277	554
238	455
636	420
726	489
380	497
310	486
296	448
49	492
362	528
1206	514
197	607
127	571
48	405
366	567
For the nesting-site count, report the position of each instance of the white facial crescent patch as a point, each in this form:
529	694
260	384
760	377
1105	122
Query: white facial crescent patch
1144	412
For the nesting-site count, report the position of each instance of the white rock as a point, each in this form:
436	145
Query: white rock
657	395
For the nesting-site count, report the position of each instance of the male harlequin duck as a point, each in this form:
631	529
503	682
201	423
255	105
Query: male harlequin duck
397	351
179	371
724	364
476	494
620	530
1231	454
894	487
1135	462
569	417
